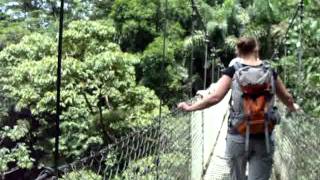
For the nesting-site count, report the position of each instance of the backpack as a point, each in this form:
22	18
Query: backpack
252	101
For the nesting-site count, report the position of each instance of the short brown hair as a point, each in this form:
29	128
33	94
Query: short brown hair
247	45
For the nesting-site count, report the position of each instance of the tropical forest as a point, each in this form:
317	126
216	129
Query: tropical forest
89	88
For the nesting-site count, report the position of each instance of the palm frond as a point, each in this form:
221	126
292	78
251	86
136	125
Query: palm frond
195	40
206	11
231	42
242	16
254	30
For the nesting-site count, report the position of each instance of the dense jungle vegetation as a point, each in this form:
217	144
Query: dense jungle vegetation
112	56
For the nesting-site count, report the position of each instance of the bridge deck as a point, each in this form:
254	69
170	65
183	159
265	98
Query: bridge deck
217	168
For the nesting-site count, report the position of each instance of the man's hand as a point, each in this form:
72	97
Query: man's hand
184	106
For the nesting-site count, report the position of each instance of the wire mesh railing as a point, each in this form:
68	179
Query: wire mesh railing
177	146
297	155
157	152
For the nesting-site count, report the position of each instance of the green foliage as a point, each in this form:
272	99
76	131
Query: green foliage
79	175
102	70
195	41
18	154
11	32
220	14
17	132
139	170
33	47
5	159
110	74
262	12
136	21
308	88
107	90
164	75
101	9
178	12
83	38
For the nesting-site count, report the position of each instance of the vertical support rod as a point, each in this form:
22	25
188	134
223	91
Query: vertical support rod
204	87
158	150
190	77
192	47
58	86
285	54
202	139
164	53
300	55
164	58
213	66
206	41
190	145
300	52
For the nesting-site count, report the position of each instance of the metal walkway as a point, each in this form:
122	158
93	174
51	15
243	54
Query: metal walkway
209	128
218	168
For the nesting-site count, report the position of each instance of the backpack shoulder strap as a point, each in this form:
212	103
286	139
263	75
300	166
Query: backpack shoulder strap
237	65
234	60
267	65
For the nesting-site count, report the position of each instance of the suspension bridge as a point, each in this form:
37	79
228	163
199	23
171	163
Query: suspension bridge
190	145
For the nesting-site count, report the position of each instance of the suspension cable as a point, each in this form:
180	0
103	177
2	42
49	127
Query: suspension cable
205	59
191	69
198	14
203	25
58	86
164	58
213	66
164	53
284	67
284	39
300	48
193	14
